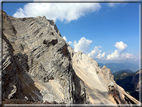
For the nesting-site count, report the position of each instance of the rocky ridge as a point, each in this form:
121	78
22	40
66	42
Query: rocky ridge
38	65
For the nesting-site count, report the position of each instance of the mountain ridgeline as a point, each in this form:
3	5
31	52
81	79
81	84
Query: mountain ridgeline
120	66
39	66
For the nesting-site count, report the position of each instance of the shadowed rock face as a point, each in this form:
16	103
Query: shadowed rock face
38	65
137	80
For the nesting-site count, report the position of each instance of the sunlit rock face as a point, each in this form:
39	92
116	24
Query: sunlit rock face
38	65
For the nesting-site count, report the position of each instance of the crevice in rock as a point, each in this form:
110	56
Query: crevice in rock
8	43
51	33
52	42
14	30
36	32
65	50
23	19
128	99
116	100
32	24
41	35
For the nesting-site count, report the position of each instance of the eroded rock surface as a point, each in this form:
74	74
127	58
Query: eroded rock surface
38	65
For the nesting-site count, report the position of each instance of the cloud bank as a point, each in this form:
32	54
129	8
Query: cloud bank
82	45
57	11
96	53
119	54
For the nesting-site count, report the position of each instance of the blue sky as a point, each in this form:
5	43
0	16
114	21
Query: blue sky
107	32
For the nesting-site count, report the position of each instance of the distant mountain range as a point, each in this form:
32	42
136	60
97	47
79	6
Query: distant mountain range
120	66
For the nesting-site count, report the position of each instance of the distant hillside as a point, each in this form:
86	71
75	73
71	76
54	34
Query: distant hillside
120	66
129	81
122	74
124	79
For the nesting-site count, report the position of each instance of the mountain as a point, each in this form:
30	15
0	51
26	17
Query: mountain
129	81
128	71
120	66
38	66
122	74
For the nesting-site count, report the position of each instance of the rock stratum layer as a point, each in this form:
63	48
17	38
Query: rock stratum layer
38	65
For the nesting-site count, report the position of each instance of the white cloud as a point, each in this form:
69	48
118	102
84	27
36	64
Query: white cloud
113	56
121	46
123	56
70	43
101	56
65	38
96	53
119	54
82	45
61	11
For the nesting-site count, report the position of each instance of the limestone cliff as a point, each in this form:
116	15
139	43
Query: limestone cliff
38	65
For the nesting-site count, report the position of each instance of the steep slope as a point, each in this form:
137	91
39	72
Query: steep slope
38	65
99	83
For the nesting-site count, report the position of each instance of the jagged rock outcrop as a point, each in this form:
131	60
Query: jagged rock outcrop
38	65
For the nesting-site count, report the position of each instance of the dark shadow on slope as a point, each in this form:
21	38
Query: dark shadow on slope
80	92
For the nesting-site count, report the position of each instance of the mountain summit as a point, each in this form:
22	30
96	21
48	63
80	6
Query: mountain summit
39	66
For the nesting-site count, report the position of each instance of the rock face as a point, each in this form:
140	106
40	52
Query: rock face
136	81
38	65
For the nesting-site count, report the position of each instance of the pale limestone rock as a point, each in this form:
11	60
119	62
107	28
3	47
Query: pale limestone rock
12	92
99	83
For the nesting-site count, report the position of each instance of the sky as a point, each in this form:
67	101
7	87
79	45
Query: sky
107	32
